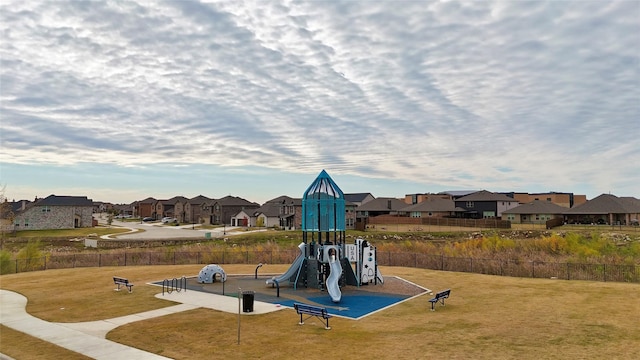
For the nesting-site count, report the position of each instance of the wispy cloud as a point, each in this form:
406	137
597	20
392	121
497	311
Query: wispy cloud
499	95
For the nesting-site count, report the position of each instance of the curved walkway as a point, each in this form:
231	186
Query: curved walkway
88	338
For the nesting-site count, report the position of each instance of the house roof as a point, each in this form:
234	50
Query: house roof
433	205
148	200
484	195
458	193
269	209
382	204
356	197
607	204
537	207
55	200
284	199
174	200
236	201
198	200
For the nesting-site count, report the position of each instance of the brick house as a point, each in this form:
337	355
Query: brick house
436	207
55	212
485	205
220	211
534	212
193	209
144	208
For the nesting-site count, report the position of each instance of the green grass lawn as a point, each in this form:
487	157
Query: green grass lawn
486	317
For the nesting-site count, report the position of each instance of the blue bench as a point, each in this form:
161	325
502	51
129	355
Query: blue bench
439	297
122	282
312	311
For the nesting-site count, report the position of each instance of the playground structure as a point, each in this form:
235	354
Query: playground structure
208	274
325	260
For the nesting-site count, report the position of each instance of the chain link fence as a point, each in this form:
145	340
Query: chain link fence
514	268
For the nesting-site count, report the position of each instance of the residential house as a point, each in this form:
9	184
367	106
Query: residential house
435	208
123	210
485	205
193	209
220	211
145	208
605	209
358	198
55	212
566	200
351	202
380	206
534	212
267	215
283	212
173	207
242	219
179	205
8	211
350	218
290	213
456	194
418	198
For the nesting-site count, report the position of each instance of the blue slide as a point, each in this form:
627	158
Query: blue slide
332	281
297	263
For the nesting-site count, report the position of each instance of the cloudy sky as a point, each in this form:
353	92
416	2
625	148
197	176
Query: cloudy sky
121	100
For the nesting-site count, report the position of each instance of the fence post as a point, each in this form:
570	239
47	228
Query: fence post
99	260
533	269
604	272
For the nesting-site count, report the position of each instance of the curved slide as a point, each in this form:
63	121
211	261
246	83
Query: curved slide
332	281
297	263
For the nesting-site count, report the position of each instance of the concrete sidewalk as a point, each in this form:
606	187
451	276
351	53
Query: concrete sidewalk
88	338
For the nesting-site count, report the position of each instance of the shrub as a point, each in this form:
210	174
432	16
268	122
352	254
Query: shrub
6	265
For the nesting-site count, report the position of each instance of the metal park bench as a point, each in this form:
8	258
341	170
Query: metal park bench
439	297
122	282
318	312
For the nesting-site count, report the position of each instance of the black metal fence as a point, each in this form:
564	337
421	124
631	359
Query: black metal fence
514	268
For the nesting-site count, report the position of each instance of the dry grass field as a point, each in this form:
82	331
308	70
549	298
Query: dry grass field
486	317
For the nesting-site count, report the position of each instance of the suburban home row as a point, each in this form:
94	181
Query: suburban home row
284	212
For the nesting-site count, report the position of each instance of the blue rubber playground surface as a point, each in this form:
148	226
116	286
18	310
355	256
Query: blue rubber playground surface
355	302
353	306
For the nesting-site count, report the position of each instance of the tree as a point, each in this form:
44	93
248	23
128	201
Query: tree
7	217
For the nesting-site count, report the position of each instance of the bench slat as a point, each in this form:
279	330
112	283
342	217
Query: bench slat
440	296
316	311
122	281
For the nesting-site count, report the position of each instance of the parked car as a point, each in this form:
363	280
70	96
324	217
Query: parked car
169	220
634	222
146	219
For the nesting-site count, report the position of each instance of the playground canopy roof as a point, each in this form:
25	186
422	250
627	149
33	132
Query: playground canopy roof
323	205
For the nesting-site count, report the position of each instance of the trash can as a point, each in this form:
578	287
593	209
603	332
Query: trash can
207	235
247	301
